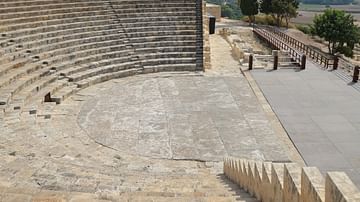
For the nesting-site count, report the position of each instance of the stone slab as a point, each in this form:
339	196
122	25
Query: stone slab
181	117
319	111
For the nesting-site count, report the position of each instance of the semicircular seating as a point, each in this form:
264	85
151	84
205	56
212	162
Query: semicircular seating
53	48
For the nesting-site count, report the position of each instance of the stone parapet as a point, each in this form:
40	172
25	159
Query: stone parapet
285	182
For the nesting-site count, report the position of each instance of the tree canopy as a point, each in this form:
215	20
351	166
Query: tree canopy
280	9
249	8
338	29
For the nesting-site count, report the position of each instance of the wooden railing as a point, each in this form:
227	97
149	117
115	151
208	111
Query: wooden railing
324	59
280	40
350	68
297	56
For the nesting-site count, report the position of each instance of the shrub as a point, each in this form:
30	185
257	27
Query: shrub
347	51
265	20
304	29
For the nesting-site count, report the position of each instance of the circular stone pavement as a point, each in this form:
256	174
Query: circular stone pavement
180	116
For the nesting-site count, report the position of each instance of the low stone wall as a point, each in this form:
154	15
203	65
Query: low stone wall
214	10
206	42
287	182
236	51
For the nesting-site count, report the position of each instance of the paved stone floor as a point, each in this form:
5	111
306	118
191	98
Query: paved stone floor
321	113
181	116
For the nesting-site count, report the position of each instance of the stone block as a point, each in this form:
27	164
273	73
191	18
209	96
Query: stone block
339	188
292	182
277	181
312	185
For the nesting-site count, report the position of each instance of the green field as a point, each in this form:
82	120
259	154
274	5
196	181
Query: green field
311	7
351	8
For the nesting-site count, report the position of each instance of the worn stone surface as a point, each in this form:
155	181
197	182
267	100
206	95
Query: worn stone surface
189	116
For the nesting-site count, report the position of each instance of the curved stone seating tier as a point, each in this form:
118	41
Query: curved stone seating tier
56	54
8	8
157	19
32	13
161	24
56	48
72	21
54	42
42	29
83	57
38	15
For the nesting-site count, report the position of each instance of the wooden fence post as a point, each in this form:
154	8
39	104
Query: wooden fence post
303	62
336	62
276	59
356	74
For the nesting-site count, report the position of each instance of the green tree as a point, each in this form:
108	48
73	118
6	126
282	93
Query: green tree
290	11
338	29
280	9
266	6
226	11
249	8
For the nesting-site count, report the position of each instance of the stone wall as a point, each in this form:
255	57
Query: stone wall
285	182
206	40
214	10
237	52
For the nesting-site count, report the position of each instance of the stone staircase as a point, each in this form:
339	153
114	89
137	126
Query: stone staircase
55	48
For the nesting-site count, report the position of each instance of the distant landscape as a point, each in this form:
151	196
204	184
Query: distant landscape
307	9
307	12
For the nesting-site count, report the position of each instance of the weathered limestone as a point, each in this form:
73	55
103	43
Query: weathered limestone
338	187
51	45
312	185
290	182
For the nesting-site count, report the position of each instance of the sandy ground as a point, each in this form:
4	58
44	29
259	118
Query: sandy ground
306	17
306	39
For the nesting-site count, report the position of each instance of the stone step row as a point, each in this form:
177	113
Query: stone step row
68	59
45	59
43	31
67	21
158	19
21	3
43	14
39	47
21	43
141	14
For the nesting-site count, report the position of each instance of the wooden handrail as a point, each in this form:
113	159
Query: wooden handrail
317	55
279	44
